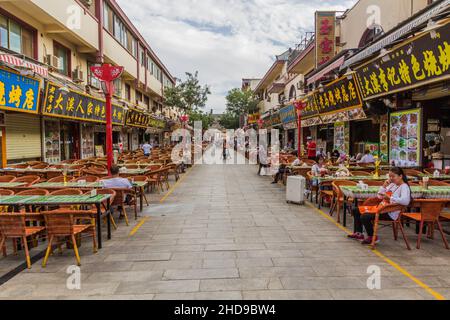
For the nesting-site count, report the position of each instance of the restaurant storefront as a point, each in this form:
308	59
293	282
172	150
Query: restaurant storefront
19	97
412	80
139	121
328	114
74	119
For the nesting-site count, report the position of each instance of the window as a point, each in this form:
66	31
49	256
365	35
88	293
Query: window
64	58
118	88
127	92
143	62
15	37
115	26
147	102
92	81
138	96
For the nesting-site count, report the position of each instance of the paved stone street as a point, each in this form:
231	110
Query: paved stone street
225	233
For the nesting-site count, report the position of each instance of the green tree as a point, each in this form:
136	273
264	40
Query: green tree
241	102
229	120
199	115
188	95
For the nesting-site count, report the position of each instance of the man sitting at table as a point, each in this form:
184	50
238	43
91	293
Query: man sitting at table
367	158
116	182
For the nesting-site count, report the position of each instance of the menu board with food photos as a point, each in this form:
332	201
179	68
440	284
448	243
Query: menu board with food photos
405	138
342	137
384	140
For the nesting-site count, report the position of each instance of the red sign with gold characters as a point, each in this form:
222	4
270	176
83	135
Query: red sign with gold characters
253	118
325	36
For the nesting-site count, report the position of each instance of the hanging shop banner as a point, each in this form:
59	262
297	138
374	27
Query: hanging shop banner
288	115
346	115
156	123
275	119
18	93
253	118
405	138
78	106
339	95
138	118
310	122
325	36
422	60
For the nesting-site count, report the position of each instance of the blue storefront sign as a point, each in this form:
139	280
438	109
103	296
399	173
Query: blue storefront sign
18	93
288	115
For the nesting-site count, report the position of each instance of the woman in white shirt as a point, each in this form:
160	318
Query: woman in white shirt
396	190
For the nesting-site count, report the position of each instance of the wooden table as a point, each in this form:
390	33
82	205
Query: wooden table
66	201
39	172
432	177
9	185
137	185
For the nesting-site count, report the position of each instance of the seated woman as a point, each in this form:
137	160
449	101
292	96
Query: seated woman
319	168
395	190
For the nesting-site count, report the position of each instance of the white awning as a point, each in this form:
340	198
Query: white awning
327	69
22	63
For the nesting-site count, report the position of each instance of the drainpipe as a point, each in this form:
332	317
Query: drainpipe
99	15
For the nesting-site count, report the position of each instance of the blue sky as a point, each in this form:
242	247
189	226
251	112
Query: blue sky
225	40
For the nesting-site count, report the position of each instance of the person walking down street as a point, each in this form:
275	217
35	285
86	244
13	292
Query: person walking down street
147	148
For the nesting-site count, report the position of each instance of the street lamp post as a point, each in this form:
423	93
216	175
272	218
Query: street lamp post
299	106
107	74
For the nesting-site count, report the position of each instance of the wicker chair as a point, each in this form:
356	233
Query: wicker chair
88	179
60	179
29	180
338	197
360	173
397	224
430	213
62	224
7	178
13	226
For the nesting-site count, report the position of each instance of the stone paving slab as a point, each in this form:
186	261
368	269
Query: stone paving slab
225	233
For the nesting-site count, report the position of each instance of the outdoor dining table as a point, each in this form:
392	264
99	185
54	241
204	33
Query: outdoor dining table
433	177
66	200
359	194
137	185
8	185
44	172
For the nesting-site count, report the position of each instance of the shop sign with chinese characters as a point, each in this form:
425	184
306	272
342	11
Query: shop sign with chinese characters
341	94
422	60
137	118
253	118
78	106
310	108
325	36
18	93
156	123
288	115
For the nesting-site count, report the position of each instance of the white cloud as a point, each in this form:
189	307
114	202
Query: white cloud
225	40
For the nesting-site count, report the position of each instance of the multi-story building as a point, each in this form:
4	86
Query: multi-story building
301	71
47	49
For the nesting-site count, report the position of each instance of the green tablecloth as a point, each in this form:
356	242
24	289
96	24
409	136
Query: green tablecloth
11	184
53	200
417	192
432	177
93	185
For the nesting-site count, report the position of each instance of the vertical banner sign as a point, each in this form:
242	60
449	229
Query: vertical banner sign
325	36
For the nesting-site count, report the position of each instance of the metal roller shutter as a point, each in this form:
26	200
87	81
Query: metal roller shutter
23	136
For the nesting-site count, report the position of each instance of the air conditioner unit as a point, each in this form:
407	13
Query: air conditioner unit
77	75
54	62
